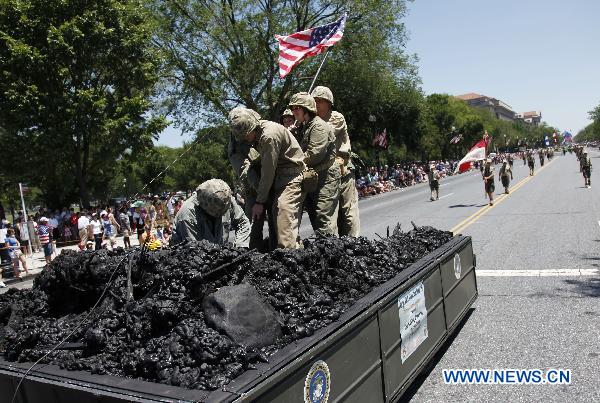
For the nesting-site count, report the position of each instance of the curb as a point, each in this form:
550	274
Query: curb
23	278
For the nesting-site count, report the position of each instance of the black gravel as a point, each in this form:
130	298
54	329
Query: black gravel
160	333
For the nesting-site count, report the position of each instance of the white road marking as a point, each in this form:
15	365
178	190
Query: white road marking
449	194
538	273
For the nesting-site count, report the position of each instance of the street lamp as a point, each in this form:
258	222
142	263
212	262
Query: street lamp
372	120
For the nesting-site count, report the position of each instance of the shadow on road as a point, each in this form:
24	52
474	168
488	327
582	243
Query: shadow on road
412	390
589	288
462	205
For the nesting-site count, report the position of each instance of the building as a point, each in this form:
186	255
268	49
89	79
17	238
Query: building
500	109
533	118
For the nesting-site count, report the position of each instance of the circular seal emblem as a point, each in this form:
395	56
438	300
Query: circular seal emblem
457	266
317	383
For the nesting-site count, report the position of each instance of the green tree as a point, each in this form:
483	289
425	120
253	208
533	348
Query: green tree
168	169
222	54
76	87
592	131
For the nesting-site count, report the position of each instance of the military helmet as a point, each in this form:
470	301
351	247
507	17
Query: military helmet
214	196
305	100
322	92
287	112
242	121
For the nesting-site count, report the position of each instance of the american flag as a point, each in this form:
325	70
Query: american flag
381	139
300	45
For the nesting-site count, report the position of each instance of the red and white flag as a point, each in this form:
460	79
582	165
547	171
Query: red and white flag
476	153
300	45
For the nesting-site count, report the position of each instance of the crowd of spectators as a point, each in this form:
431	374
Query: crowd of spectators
386	178
150	218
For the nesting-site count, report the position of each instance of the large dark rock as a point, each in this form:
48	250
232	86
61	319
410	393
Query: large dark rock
240	313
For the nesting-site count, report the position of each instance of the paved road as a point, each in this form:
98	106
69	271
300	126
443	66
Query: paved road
549	320
534	309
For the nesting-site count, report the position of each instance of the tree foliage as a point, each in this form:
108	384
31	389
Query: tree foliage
592	131
75	91
164	169
223	54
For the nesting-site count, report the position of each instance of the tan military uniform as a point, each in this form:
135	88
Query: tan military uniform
505	175
281	179
348	221
318	143
250	179
237	153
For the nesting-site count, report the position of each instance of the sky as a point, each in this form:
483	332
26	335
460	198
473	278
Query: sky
531	54
540	55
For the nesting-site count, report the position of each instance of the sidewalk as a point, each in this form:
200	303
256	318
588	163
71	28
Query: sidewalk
37	263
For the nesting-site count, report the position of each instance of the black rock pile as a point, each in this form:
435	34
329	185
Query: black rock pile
156	330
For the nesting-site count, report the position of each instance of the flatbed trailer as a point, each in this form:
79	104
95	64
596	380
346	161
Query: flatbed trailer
361	357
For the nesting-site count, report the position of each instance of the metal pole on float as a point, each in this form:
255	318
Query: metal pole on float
25	218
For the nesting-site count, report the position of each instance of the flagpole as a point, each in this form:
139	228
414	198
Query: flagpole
25	218
319	70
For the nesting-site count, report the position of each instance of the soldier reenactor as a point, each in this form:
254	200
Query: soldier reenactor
209	214
246	165
531	163
586	169
511	160
287	119
488	180
348	222
505	175
317	140
582	159
434	182
541	155
281	172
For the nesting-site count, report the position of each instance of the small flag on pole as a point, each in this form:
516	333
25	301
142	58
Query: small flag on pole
300	45
381	139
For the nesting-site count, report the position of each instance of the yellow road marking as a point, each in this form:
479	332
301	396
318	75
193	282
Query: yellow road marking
461	226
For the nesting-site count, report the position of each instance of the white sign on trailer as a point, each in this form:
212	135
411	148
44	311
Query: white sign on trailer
413	319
